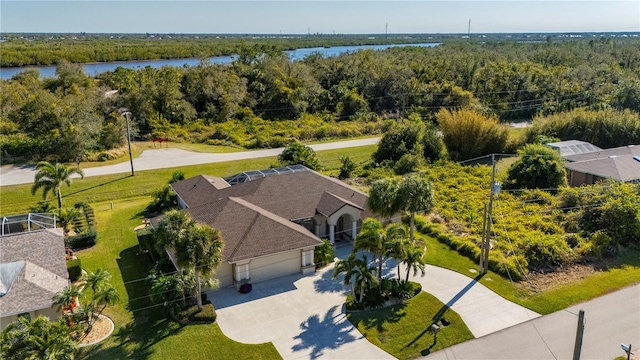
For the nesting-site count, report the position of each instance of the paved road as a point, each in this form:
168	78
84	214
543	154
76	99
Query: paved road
168	158
609	321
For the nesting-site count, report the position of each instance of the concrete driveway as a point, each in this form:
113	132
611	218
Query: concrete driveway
303	316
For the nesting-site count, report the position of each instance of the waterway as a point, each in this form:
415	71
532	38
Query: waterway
97	68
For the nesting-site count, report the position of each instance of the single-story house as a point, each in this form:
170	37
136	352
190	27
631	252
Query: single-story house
271	220
32	270
620	164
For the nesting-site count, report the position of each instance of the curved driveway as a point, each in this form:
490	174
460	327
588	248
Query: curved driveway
168	158
304	316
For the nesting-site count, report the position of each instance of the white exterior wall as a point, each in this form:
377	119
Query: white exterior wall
51	313
270	267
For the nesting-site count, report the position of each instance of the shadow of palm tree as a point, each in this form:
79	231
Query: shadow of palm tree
326	283
330	332
380	317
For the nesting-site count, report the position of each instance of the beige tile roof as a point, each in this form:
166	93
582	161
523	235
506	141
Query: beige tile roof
44	273
250	231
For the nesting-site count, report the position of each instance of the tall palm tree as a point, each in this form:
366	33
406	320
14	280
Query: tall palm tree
415	195
200	249
171	228
397	249
383	199
414	260
50	178
375	238
37	339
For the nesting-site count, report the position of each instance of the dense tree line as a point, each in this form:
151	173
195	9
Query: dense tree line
264	99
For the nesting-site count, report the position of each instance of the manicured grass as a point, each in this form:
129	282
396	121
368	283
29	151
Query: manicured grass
404	330
142	331
17	199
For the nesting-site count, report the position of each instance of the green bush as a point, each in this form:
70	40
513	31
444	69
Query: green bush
207	315
82	240
323	254
74	267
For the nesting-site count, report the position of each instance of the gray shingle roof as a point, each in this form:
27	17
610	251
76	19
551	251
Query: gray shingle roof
250	231
199	189
43	274
330	203
621	168
632	150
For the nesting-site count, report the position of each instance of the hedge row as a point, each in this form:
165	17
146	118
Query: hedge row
82	240
74	267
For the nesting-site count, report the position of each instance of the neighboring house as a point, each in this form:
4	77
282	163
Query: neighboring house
573	147
271	220
32	270
620	164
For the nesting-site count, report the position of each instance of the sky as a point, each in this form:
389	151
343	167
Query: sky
327	17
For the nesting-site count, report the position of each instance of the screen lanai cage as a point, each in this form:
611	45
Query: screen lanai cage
14	224
256	174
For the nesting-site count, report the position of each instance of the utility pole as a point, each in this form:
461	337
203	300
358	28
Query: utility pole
579	332
126	114
386	32
486	236
469	30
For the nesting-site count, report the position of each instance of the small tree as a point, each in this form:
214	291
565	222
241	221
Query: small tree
400	139
50	178
324	254
538	167
297	153
415	195
347	167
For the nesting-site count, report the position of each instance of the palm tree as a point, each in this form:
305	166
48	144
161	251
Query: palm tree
364	277
397	249
346	266
50	178
383	199
173	225
37	339
67	297
106	297
378	240
200	249
414	260
415	195
98	279
67	218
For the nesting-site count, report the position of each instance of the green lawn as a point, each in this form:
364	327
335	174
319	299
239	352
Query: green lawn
142	332
404	330
17	199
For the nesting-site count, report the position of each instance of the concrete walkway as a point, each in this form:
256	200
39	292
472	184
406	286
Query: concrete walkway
304	316
168	158
609	321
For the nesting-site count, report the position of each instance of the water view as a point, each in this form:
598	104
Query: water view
97	68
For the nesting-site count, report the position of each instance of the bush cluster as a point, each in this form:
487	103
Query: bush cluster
82	240
74	267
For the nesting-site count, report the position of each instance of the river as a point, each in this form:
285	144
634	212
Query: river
97	68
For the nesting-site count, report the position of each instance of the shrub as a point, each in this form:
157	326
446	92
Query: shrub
347	167
408	163
74	267
399	140
207	315
176	176
297	153
351	303
538	167
82	240
146	241
417	287
323	254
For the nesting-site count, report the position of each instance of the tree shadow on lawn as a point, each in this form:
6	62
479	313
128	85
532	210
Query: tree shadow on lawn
330	332
377	318
134	268
96	186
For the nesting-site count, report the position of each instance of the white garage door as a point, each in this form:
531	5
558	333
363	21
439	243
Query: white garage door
274	266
